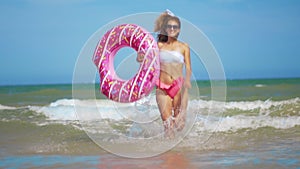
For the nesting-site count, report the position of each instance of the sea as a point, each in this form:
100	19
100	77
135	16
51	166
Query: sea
256	126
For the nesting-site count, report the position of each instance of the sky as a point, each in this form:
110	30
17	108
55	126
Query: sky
41	39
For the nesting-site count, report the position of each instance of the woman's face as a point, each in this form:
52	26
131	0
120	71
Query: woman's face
172	28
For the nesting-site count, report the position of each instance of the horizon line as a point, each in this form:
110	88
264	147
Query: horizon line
85	83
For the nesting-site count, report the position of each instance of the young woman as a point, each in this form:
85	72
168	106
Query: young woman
172	86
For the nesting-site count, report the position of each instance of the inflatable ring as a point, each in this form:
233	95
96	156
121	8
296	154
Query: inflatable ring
115	88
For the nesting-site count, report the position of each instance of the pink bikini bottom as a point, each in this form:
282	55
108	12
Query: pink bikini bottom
171	89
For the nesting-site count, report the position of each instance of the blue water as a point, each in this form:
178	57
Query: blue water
247	139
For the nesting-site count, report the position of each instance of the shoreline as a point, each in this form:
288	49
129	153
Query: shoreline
170	159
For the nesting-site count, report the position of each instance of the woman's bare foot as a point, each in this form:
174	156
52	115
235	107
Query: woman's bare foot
179	120
169	127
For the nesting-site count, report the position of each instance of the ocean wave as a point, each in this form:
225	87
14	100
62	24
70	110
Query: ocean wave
231	116
267	104
211	115
57	128
2	107
66	109
260	85
235	123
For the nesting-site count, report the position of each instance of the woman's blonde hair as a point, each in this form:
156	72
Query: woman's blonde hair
161	23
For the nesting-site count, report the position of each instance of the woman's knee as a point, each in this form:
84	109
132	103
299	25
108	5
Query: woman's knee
165	108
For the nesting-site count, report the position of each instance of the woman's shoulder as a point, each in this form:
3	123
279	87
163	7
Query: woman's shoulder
184	46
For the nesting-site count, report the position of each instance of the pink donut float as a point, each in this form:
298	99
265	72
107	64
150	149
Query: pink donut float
127	35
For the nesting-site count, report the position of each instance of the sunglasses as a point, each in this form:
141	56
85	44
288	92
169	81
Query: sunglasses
175	27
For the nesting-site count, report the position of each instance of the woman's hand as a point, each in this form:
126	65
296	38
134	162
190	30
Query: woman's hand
140	57
187	84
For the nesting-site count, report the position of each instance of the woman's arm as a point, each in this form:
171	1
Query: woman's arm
188	69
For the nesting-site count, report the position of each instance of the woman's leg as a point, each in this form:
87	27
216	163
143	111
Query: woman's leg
180	108
164	103
177	104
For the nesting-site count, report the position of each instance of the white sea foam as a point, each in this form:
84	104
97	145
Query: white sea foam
2	107
260	85
235	123
66	109
86	110
258	104
91	110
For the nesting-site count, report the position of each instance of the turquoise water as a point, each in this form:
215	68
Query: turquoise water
237	90
258	127
256	89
